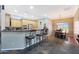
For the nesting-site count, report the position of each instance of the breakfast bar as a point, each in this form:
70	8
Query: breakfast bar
16	40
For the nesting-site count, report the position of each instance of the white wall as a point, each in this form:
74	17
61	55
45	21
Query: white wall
2	19
76	22
7	20
44	21
76	27
47	22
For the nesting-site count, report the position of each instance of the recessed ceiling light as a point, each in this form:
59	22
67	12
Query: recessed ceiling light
32	16
15	11
25	14
45	15
31	7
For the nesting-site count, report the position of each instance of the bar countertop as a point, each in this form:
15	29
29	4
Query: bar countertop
19	30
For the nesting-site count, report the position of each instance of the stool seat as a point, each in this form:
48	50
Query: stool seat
44	33
39	34
29	37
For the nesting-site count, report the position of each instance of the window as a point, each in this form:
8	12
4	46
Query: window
64	26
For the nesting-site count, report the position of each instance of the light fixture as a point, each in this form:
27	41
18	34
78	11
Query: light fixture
32	16
31	7
15	11
25	14
45	15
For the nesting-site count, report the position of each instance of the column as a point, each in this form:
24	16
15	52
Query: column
2	17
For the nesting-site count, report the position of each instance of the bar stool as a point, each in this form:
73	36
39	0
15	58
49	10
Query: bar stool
45	33
39	36
29	39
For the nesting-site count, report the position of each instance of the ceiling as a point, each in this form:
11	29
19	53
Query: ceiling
41	11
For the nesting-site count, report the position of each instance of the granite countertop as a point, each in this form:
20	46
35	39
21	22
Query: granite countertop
19	30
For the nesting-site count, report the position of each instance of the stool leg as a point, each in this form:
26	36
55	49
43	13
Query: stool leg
39	38
46	38
29	42
26	41
36	39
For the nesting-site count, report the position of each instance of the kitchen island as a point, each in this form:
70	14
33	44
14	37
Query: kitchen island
15	40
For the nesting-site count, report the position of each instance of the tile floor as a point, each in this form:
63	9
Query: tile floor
56	46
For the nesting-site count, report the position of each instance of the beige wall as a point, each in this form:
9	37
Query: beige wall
20	22
67	20
33	22
16	23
